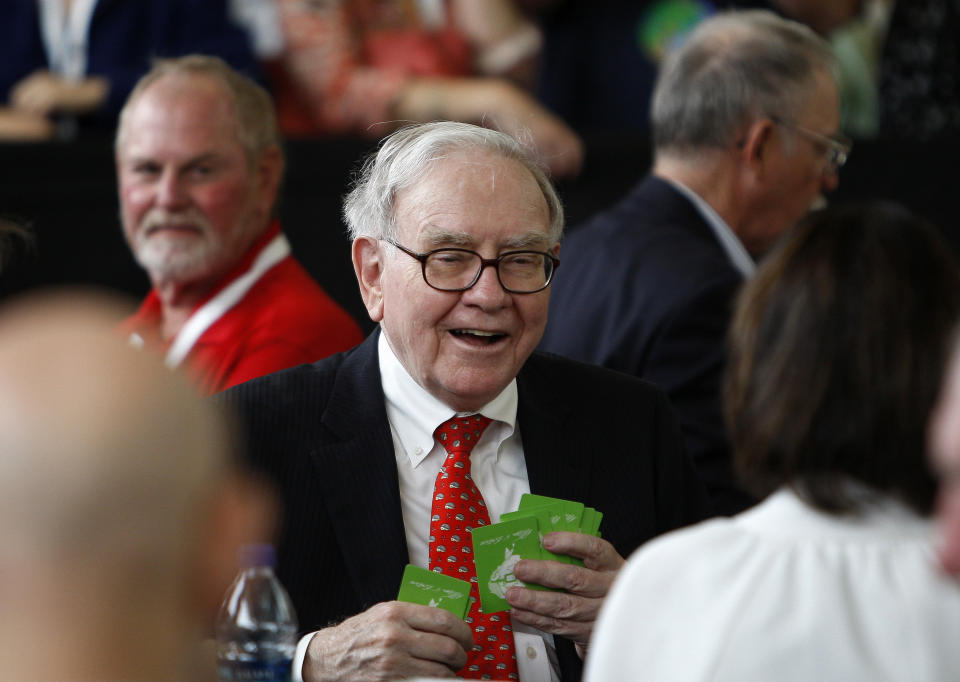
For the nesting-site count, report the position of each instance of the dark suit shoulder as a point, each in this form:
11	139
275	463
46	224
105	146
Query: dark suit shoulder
285	413
584	385
287	389
633	272
654	236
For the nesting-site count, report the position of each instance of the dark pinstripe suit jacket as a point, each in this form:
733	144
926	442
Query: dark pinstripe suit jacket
320	432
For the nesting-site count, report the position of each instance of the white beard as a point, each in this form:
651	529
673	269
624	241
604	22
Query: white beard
177	259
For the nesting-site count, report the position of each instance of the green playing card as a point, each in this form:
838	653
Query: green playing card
420	586
547	516
531	500
496	550
565	515
590	521
550	517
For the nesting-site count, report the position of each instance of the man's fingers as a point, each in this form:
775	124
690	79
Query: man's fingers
439	648
577	631
557	605
597	553
388	641
424	619
574	579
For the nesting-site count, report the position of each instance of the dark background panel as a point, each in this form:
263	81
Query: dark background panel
67	193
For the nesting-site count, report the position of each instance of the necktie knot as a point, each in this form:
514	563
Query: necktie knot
460	434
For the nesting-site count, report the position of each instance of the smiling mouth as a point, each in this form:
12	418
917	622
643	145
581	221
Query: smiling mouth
479	337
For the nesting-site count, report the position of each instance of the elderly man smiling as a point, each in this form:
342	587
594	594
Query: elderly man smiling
455	241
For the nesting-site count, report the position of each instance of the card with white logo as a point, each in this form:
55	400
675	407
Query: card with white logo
496	550
420	586
549	518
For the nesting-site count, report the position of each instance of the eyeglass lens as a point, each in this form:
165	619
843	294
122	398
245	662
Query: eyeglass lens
520	271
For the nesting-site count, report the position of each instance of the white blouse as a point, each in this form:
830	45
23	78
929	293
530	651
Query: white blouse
783	592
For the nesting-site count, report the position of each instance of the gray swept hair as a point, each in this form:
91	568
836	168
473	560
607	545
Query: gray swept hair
256	118
734	67
404	157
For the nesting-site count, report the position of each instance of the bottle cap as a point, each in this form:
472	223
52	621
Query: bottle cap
256	555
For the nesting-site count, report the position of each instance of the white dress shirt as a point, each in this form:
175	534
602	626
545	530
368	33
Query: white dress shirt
65	35
496	465
784	592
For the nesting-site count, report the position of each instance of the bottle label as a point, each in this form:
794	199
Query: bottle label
254	671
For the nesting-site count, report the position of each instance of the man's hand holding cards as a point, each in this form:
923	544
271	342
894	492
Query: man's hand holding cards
561	590
519	535
545	562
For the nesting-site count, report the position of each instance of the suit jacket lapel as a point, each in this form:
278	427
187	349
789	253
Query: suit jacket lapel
359	477
552	468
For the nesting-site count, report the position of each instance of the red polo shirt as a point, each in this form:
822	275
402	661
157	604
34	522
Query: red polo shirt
285	319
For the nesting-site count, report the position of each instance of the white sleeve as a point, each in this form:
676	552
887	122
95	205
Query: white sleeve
301	653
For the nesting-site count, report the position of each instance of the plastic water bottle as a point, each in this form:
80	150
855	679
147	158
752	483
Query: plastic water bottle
257	626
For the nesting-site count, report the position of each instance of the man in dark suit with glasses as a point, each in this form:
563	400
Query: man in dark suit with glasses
455	243
745	119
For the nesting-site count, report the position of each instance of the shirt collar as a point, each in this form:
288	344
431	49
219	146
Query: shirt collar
145	322
728	239
414	414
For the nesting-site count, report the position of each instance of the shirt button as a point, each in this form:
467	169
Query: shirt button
418	450
531	652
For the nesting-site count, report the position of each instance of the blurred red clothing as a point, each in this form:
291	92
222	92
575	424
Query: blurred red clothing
346	62
285	319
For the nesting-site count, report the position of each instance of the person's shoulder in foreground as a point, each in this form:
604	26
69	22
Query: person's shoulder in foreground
768	574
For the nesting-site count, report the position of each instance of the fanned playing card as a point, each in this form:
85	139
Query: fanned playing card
496	550
549	518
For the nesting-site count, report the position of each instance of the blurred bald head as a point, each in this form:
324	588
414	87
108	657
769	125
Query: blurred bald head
102	445
109	466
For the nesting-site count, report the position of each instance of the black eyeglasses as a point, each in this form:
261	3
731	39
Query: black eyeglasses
837	147
519	272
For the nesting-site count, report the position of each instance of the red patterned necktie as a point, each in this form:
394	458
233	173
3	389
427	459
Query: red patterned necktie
458	507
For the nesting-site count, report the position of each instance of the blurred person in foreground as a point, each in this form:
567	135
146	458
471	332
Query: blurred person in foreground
838	349
120	510
745	133
455	236
945	452
199	167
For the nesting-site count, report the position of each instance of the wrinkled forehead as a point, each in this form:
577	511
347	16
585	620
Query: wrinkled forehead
176	104
478	196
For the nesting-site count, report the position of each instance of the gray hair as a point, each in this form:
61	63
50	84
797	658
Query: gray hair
734	67
253	107
405	156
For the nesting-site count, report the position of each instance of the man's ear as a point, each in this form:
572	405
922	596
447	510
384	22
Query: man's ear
368	262
756	148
